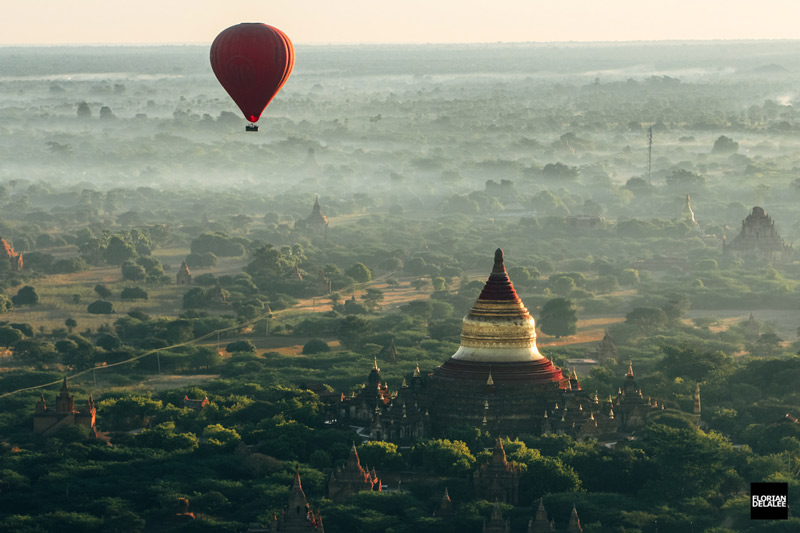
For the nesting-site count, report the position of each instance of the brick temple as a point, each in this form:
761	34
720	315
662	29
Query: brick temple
497	380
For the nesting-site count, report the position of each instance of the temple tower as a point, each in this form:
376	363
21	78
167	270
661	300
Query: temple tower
540	524
184	276
498	479
759	238
497	362
496	523
352	478
445	507
574	525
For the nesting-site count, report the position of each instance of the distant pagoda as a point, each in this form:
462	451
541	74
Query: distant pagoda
298	517
315	223
351	477
184	275
758	238
48	421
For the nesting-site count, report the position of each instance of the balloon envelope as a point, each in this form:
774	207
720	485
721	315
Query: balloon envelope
252	61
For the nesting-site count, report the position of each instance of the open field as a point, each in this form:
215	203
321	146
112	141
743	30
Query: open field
784	322
57	295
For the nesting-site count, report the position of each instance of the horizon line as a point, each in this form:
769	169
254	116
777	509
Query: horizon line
420	43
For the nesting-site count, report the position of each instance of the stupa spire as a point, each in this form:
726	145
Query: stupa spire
498	286
498	328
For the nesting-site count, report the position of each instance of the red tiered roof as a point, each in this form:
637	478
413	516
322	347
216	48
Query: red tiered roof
539	371
498	286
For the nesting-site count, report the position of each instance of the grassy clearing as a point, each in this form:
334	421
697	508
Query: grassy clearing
783	321
590	330
56	293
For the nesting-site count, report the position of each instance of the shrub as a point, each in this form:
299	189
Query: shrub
315	346
240	346
100	307
26	296
133	293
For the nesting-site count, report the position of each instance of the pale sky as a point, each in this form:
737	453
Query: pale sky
391	21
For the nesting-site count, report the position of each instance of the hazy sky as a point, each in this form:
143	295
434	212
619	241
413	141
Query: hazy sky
407	21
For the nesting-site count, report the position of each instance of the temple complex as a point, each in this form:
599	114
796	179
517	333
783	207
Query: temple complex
497	380
539	523
350	478
758	238
48	421
9	256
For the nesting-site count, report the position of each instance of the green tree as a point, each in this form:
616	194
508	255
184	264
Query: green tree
380	454
217	436
768	345
562	284
25	296
178	331
204	260
128	412
133	293
689	462
71	324
220	245
676	306
647	318
118	251
102	291
689	362
373	298
34	350
84	111
359	272
240	346
725	145
629	277
419	308
520	275
9	336
444	457
314	346
108	341
5	303
100	307
560	171
559	317
351	331
133	272
164	437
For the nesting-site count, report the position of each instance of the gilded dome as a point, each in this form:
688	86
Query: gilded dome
498	328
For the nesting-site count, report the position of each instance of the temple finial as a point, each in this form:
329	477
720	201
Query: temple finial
499	266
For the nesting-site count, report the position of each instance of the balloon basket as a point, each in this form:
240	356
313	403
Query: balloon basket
251	127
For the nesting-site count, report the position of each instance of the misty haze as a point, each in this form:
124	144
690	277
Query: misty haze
445	288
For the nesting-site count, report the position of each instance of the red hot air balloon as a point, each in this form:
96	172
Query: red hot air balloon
252	61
